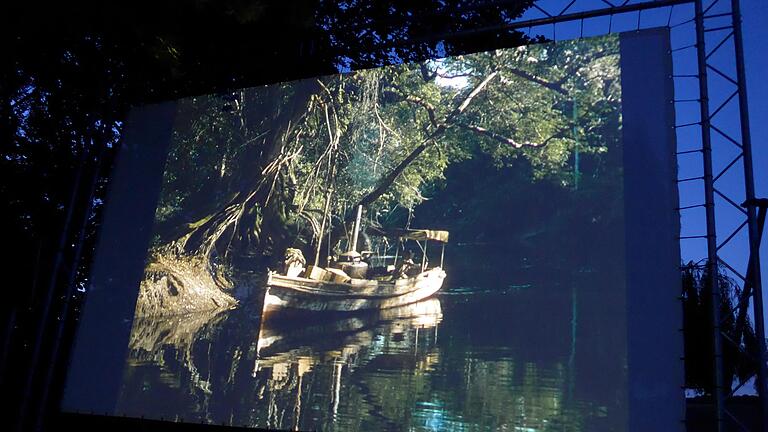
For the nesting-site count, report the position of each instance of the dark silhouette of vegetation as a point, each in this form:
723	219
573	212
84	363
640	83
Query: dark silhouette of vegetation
71	72
739	343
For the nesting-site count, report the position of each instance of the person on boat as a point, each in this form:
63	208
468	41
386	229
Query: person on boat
405	267
351	262
294	262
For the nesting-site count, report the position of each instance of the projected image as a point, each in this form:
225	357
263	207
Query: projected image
433	246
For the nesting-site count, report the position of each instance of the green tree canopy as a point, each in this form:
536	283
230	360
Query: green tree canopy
379	137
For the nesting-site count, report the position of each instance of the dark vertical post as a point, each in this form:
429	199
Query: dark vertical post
40	341
442	256
54	361
575	132
709	200
356	229
749	189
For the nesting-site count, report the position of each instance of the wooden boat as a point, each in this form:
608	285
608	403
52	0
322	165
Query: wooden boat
358	294
331	289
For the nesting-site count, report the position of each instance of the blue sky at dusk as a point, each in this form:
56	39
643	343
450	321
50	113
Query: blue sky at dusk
683	38
755	25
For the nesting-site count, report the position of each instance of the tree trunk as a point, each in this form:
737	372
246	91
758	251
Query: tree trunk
386	182
190	273
235	222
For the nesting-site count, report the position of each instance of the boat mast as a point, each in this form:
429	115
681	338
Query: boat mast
326	216
356	229
424	256
322	225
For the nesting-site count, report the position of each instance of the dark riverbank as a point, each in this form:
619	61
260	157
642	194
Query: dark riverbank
700	414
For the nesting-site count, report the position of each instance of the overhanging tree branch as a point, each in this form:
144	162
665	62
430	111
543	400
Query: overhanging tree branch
426	105
418	101
509	141
427	74
385	182
464	104
555	86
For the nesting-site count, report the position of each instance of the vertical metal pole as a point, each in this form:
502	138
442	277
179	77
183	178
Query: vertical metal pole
442	256
397	251
328	251
709	198
749	189
575	132
357	228
54	361
48	300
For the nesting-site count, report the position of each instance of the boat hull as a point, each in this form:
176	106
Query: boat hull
306	294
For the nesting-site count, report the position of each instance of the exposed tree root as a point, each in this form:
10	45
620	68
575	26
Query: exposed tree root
182	284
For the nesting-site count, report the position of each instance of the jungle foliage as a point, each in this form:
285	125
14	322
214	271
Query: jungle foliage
740	346
72	71
251	171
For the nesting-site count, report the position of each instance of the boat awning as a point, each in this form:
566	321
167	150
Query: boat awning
411	234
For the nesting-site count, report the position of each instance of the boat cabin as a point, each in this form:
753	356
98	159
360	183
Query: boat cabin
368	265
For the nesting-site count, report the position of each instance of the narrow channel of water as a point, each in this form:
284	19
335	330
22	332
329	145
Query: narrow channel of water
545	351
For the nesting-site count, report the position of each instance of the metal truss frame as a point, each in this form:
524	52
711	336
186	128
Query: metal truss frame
716	26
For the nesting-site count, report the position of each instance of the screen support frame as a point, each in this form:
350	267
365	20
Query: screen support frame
702	12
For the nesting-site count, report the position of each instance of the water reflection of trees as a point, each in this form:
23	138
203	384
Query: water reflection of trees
391	371
170	342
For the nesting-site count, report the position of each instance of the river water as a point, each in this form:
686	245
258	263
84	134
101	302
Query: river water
544	350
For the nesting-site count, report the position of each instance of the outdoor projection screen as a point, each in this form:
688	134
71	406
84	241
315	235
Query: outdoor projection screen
550	171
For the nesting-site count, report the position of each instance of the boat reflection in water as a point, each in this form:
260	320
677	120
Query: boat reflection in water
284	372
291	346
468	361
278	333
